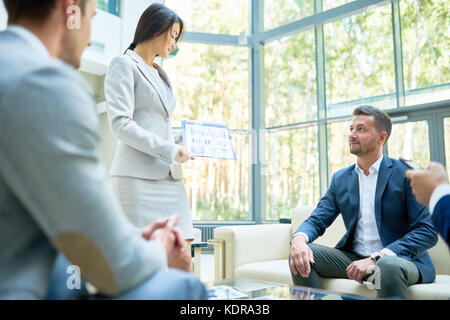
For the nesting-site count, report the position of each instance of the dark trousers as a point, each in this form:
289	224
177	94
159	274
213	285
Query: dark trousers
394	276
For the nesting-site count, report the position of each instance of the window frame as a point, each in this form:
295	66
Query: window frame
433	112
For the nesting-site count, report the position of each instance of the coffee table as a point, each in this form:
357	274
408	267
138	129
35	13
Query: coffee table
246	289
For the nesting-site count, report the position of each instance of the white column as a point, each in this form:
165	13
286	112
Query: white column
3	16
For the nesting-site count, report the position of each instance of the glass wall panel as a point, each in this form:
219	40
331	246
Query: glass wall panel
293	173
339	156
213	16
290	80
359	62
425	39
330	4
279	12
220	189
211	84
410	141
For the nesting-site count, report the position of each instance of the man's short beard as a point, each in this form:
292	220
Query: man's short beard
362	151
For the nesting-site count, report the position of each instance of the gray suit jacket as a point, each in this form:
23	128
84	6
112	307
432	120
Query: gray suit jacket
140	108
54	192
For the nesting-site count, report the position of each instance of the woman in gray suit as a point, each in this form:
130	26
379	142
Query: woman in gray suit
146	171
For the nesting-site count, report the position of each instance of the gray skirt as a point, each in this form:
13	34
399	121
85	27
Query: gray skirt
144	201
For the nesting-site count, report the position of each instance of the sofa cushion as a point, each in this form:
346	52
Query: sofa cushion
273	243
277	271
332	235
438	290
440	255
347	286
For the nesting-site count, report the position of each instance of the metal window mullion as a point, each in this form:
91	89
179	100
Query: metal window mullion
320	18
213	39
321	103
398	54
437	140
258	208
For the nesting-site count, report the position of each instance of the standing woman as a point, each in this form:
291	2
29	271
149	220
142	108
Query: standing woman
146	171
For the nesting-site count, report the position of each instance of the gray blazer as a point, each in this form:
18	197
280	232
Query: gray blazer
54	192
140	108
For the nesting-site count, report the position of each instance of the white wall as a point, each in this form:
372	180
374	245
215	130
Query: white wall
106	31
3	16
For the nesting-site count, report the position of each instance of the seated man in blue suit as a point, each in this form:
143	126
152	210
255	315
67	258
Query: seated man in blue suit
431	188
386	227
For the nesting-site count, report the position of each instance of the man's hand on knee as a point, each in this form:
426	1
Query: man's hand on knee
357	270
301	257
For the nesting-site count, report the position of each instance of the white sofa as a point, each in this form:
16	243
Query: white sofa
261	252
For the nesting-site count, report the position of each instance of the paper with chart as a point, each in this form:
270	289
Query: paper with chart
208	140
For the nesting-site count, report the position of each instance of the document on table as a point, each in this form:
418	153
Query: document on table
208	140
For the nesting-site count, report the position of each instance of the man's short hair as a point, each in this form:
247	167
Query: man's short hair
381	119
37	11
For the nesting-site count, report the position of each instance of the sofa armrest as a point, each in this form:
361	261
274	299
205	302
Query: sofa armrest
247	244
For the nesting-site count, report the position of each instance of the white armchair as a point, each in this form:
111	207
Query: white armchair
261	252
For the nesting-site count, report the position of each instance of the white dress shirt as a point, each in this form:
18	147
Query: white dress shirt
367	239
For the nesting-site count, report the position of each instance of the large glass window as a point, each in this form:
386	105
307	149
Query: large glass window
339	156
425	40
359	62
212	83
290	80
410	141
330	4
293	174
213	16
279	12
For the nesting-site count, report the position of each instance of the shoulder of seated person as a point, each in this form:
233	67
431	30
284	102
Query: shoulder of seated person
59	76
57	86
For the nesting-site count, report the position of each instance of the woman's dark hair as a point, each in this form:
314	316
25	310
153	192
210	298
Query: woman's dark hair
155	21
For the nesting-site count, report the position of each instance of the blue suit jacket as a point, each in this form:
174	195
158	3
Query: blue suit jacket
404	225
441	217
